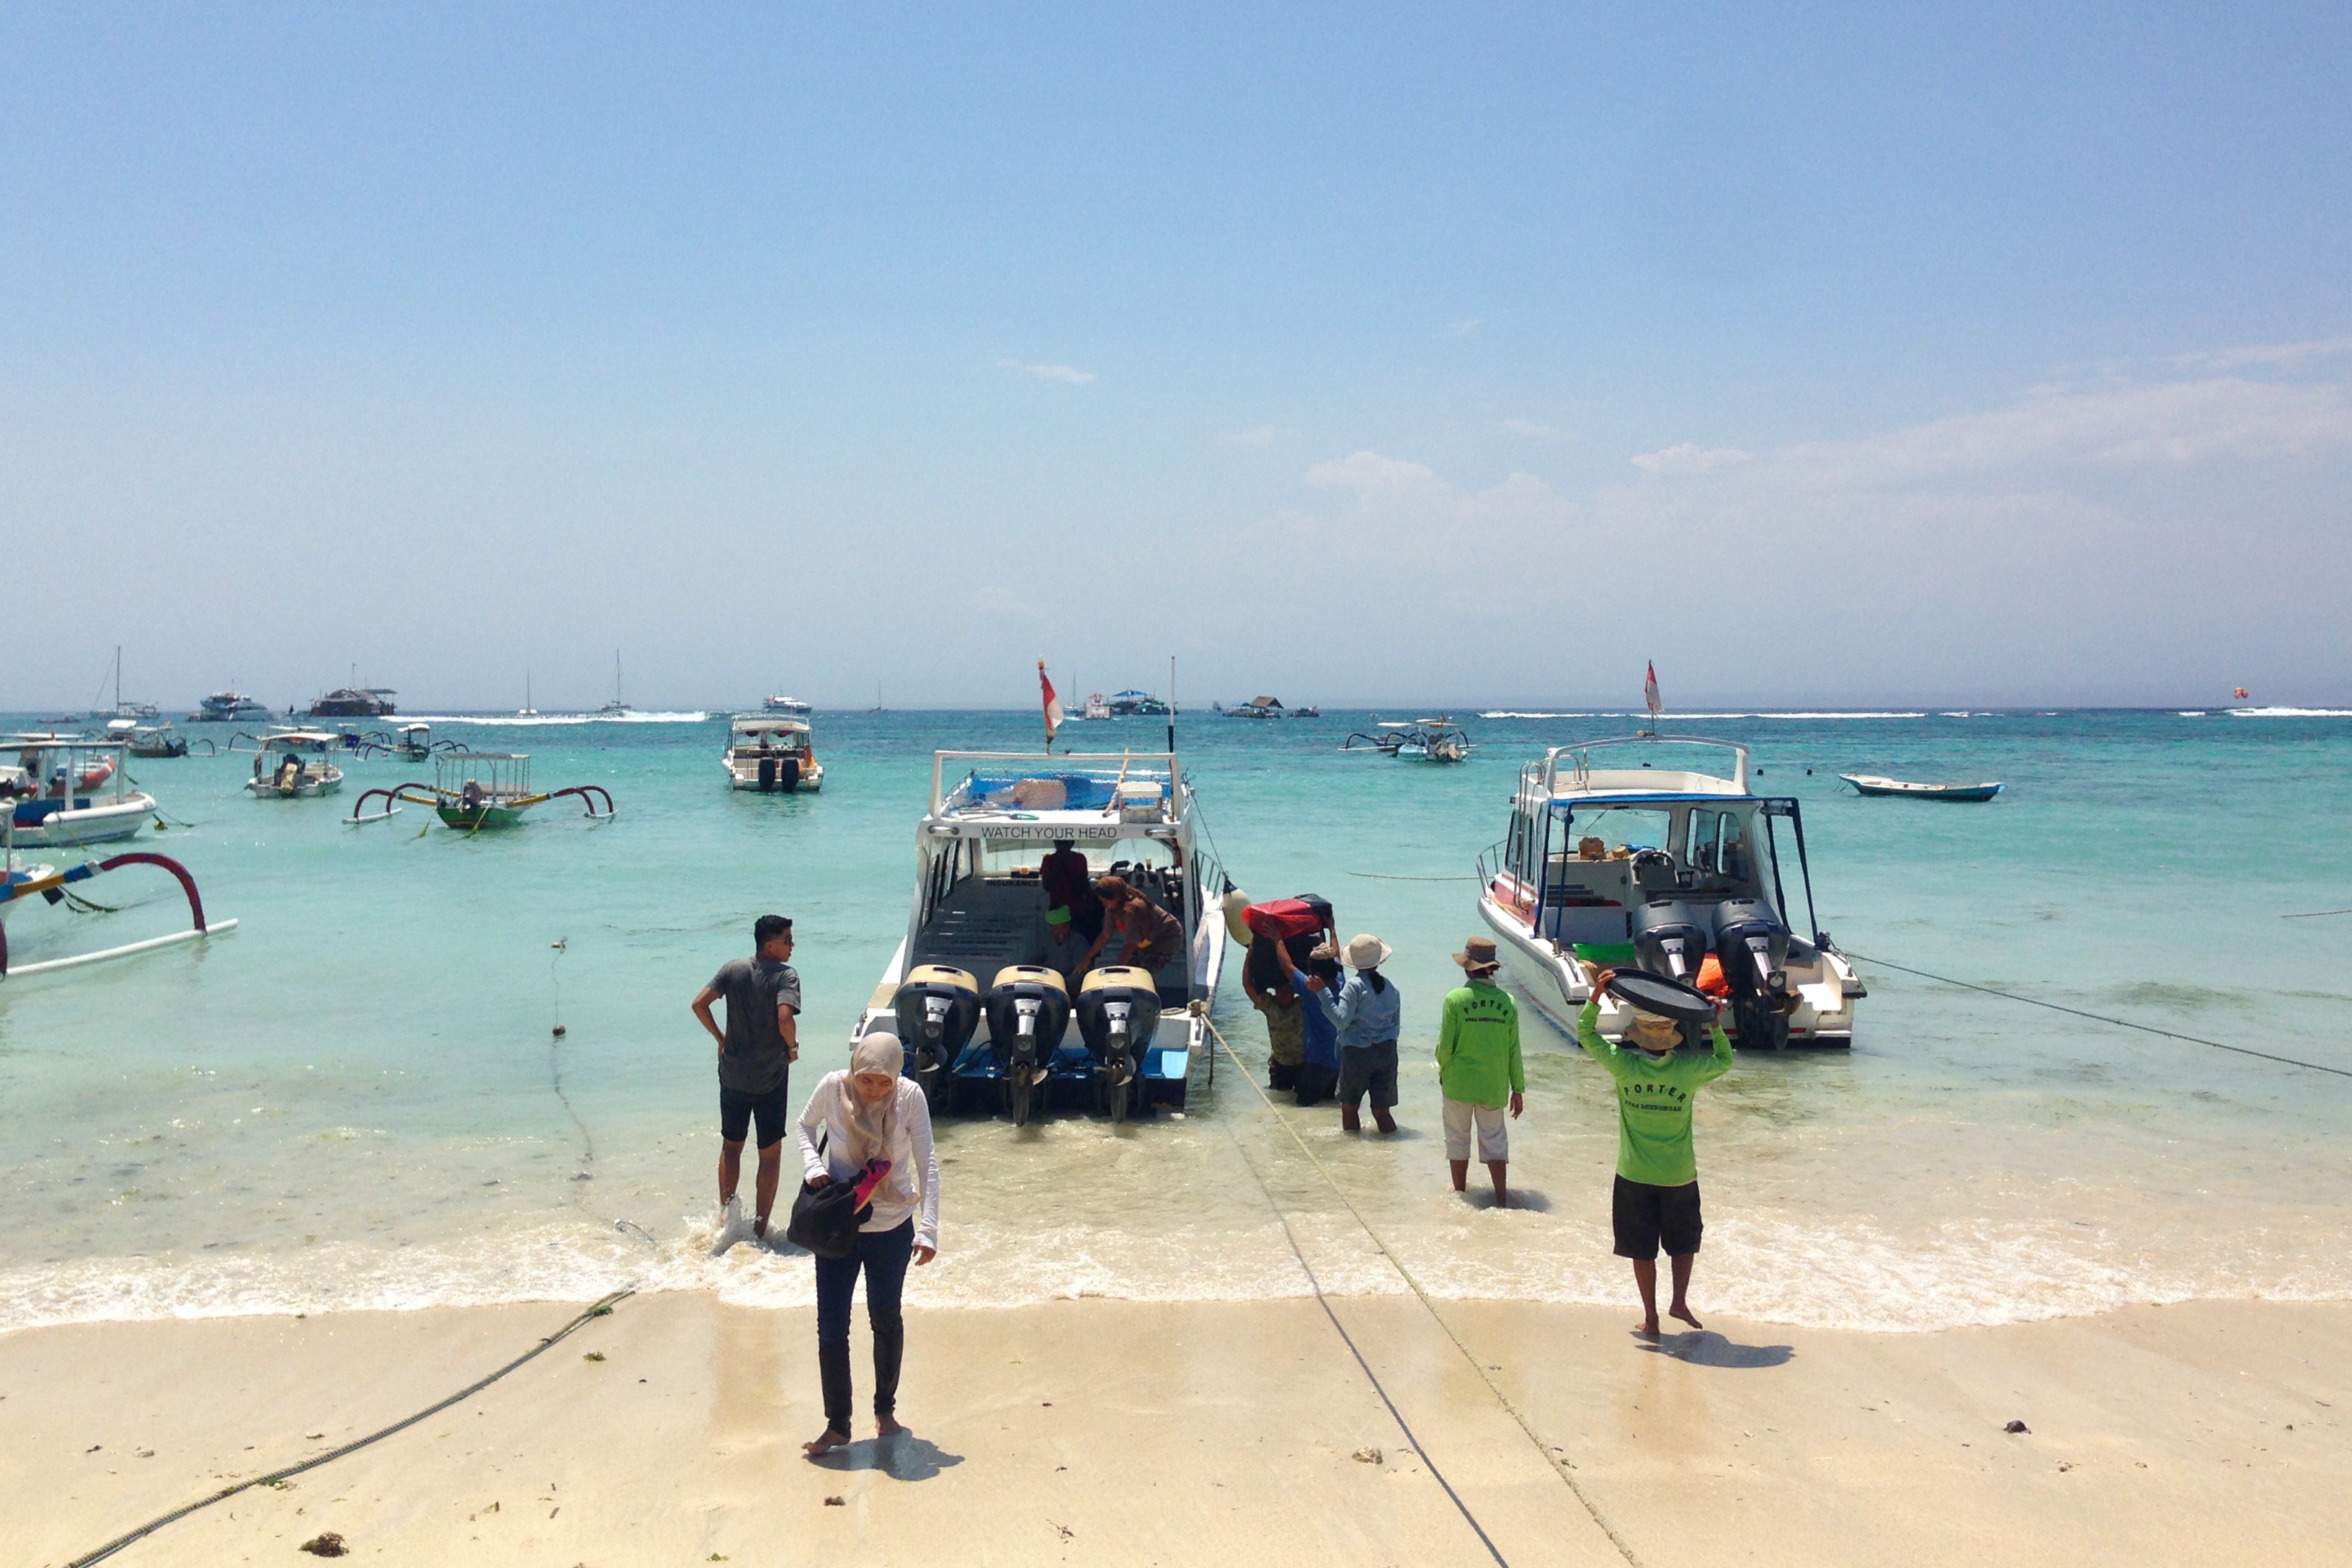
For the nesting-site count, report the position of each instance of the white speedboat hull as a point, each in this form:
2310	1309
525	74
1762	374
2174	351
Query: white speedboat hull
102	824
268	788
744	774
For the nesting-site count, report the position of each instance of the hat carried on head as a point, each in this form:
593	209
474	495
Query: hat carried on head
1059	915
1368	951
1478	955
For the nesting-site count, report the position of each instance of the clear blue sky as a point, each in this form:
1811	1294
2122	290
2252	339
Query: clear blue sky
1885	353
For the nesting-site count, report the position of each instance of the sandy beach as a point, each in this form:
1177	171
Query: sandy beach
1104	1431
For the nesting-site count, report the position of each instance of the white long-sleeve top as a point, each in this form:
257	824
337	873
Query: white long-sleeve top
912	1156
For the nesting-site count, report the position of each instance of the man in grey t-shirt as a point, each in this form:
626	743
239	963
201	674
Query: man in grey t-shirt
756	1050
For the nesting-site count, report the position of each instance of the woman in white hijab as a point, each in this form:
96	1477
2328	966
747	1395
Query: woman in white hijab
870	1113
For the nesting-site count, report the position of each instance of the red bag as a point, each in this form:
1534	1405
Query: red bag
1280	918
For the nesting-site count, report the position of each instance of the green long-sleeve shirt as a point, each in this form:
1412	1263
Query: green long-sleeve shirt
1478	1045
1653	1102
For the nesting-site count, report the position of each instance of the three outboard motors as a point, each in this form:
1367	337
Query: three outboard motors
937	1008
1028	1013
1668	938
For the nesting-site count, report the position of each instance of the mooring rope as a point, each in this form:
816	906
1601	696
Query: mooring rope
1558	1467
1383	877
601	1309
2102	1017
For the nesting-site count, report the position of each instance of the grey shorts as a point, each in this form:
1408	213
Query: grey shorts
1368	1069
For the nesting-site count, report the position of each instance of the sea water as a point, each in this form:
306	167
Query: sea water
358	1098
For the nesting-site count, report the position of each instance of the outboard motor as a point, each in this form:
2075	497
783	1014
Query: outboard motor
1119	1012
1753	944
937	1008
1668	938
1028	1013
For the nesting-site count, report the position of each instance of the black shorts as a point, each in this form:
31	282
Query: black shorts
1369	1070
1644	1216
738	1109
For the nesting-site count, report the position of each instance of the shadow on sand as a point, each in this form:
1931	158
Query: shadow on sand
905	1458
1707	1348
1527	1198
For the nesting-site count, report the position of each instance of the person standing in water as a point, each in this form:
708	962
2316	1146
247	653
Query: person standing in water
756	1050
870	1115
1367	1012
1478	1068
1267	981
1319	1066
1655	1199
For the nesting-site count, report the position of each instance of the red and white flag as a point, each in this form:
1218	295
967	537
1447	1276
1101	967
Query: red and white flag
1053	703
1648	689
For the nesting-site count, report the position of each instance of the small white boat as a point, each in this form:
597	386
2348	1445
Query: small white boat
1651	852
771	754
81	794
1871	783
293	765
1097	709
775	704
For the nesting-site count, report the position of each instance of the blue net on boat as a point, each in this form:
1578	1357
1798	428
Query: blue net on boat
1040	791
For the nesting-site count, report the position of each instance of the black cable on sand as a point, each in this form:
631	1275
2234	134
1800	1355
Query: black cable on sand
2102	1017
601	1310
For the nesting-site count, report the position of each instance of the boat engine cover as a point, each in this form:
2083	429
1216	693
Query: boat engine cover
1117	984
1737	922
1662	921
958	1013
1019	983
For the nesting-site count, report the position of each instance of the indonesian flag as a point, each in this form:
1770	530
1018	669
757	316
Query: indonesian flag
1053	703
1649	688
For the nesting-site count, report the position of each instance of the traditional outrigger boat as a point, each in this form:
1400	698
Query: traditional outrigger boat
20	883
771	754
1618	856
80	791
972	989
1415	741
475	790
293	765
1871	783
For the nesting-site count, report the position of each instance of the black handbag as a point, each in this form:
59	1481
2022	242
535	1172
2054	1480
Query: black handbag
825	1219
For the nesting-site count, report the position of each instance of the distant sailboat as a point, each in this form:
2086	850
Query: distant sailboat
878	699
616	709
526	711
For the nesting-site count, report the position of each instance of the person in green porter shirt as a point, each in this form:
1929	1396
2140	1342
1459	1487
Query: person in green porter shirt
1655	1199
1478	1068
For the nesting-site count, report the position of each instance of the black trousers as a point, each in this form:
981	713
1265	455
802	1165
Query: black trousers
883	1257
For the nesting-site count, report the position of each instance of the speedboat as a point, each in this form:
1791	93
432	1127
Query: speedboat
774	704
228	707
1871	783
772	755
1097	709
977	991
157	740
82	793
291	764
1134	704
1652	852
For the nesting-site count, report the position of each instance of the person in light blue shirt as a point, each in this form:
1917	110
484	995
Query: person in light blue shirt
1367	1011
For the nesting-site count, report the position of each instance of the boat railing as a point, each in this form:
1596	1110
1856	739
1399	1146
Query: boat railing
1096	767
1576	761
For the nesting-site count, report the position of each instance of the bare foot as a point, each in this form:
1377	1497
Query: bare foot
1647	1328
1679	1310
826	1442
886	1426
1382	1119
760	1227
1349	1120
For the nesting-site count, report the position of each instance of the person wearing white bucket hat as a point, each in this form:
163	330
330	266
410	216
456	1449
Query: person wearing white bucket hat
1367	1012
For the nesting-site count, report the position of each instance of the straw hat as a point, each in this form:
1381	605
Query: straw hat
1368	951
1478	955
1654	1032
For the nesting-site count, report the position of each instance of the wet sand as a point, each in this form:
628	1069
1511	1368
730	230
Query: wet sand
1104	1431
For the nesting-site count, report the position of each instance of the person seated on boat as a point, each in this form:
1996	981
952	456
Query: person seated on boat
1152	935
1591	849
1066	880
471	795
1734	854
289	771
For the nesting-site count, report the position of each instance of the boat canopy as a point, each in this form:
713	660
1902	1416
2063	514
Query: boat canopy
1089	798
758	725
1612	767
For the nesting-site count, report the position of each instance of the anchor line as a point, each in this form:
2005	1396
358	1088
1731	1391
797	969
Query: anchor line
603	1308
1558	1467
2104	1018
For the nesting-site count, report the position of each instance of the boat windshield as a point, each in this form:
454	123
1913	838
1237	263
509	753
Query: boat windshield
1614	832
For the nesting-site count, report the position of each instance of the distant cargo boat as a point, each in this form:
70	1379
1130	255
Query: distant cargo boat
1871	783
354	703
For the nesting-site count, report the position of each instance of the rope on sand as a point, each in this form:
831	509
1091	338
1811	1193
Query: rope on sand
601	1309
2103	1018
1558	1467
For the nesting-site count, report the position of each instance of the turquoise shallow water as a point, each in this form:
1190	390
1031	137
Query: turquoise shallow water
354	1099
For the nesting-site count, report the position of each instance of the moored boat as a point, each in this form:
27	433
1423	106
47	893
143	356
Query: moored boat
1652	852
980	994
775	704
228	707
1415	740
1871	783
81	792
293	765
354	703
771	754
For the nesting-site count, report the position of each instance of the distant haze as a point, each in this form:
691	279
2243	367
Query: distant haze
1470	359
